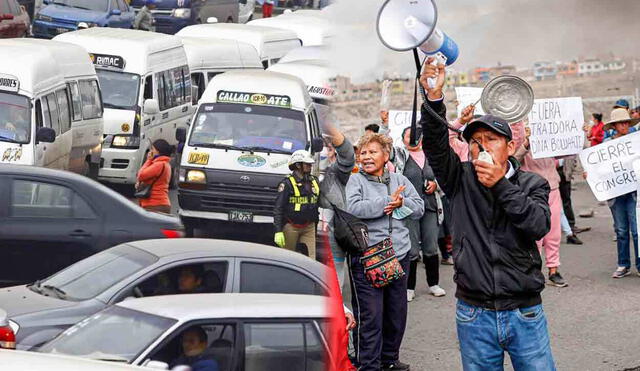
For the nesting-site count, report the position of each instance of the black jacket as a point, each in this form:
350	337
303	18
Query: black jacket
285	210
497	263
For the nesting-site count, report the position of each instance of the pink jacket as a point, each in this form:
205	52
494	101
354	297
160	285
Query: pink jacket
545	167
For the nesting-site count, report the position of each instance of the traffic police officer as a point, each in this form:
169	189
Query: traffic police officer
296	211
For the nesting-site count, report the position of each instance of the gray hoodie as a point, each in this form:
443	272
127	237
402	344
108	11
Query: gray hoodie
367	197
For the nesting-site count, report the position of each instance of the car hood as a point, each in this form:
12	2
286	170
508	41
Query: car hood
19	300
72	14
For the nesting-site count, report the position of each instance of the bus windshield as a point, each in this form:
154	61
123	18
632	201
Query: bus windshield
119	89
249	127
15	118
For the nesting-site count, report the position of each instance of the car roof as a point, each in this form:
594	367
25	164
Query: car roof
231	305
173	246
219	54
262	82
142	51
34	361
31	65
311	30
315	74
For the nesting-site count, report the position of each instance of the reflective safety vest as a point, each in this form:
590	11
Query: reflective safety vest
299	200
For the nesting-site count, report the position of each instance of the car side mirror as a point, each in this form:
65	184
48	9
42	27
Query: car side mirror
212	20
116	12
181	135
317	144
46	135
158	365
151	107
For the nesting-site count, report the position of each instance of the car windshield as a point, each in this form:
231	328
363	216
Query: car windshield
91	276
115	334
15	118
95	5
119	89
239	126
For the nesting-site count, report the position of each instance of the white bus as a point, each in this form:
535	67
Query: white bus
146	92
50	106
311	30
270	43
247	125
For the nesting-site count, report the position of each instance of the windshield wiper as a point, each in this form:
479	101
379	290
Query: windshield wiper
35	287
267	149
221	146
59	292
114	106
7	139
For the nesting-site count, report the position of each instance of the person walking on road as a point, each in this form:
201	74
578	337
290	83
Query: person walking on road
144	19
499	212
296	211
156	171
411	162
382	200
623	208
546	168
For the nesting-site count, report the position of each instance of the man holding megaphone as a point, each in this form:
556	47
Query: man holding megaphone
498	213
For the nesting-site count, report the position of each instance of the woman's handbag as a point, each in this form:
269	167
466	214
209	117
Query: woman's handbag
143	191
381	266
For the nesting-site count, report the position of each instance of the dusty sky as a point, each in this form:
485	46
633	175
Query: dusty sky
516	32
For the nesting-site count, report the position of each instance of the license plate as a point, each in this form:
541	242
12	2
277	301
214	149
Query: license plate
198	158
240	216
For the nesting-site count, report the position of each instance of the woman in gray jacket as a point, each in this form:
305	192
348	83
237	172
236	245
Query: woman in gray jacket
382	200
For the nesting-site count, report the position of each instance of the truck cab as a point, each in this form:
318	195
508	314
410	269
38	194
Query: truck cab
247	125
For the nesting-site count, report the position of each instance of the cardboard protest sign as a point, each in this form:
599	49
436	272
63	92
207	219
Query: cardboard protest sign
467	96
556	127
398	120
636	169
609	166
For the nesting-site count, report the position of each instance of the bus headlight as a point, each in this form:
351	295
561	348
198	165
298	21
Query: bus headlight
196	176
181	13
125	141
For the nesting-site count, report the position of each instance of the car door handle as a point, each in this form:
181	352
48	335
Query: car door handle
80	233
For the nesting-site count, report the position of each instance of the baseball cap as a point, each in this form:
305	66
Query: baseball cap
490	122
622	103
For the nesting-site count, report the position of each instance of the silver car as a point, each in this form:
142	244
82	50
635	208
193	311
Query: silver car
40	311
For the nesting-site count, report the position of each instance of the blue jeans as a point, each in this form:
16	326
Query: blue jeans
623	210
485	335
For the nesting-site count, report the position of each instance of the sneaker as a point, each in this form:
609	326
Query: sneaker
397	365
411	294
573	240
437	291
557	280
577	230
447	261
621	272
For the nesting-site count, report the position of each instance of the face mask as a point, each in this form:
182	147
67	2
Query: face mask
401	213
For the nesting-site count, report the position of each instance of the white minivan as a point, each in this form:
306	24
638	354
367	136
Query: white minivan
247	125
210	57
270	43
311	30
50	106
317	75
146	92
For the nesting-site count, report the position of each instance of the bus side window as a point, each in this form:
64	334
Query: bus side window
45	113
63	109
148	88
186	85
76	101
198	80
53	111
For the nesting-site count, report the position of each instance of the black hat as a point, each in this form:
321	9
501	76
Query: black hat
163	147
490	122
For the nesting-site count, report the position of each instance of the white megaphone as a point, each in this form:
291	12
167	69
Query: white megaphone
408	24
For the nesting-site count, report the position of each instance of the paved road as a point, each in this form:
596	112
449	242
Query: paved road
593	322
